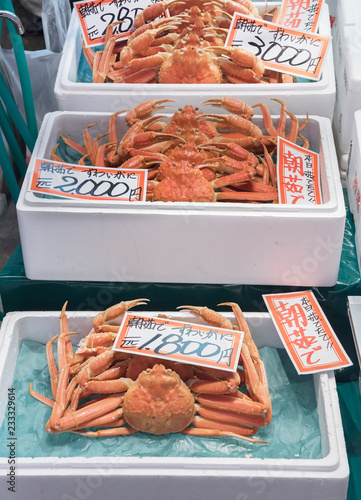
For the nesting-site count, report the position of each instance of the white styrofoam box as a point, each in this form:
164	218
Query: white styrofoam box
97	240
343	161
354	309
353	180
353	171
346	51
316	98
54	478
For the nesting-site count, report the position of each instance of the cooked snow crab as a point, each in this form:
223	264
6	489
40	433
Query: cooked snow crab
227	155
188	47
117	393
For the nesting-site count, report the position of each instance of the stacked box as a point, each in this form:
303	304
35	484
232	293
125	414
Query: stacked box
182	242
314	97
347	46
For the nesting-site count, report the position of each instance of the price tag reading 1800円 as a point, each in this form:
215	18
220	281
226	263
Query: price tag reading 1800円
88	183
201	345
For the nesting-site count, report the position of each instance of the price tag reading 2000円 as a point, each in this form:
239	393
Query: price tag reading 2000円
88	183
202	345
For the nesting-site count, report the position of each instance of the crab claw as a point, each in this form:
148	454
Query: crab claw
144	109
237	123
116	311
232	105
212	317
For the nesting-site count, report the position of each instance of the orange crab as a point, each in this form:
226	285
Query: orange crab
215	146
155	396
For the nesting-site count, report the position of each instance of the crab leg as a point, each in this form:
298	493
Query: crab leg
271	166
82	415
108	386
237	123
60	400
88	53
53	369
208	428
230	416
120	431
246	196
251	361
232	105
237	404
74	145
206	383
65	348
104	63
144	109
40	397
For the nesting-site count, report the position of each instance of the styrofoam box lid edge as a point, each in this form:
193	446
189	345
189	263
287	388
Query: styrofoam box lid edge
335	206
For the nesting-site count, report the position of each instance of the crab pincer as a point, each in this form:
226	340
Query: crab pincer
232	105
144	109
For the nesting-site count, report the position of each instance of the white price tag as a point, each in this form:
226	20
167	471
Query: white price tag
95	17
88	183
201	345
280	48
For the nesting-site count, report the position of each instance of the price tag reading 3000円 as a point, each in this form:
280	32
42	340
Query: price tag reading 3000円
202	345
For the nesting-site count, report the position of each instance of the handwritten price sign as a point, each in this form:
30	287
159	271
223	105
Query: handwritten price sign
305	332
298	175
89	183
300	14
280	48
183	342
96	16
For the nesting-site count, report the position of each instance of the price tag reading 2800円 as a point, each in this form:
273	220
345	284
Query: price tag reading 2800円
88	183
95	17
180	341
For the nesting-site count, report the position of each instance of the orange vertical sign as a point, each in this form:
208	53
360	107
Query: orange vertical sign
305	332
300	14
298	174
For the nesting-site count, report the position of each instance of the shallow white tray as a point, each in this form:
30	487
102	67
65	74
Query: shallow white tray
53	478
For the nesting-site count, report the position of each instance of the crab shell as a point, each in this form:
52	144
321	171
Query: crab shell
158	402
190	64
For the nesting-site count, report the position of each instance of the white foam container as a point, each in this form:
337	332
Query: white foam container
353	173
346	52
97	240
353	180
313	97
54	478
354	312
